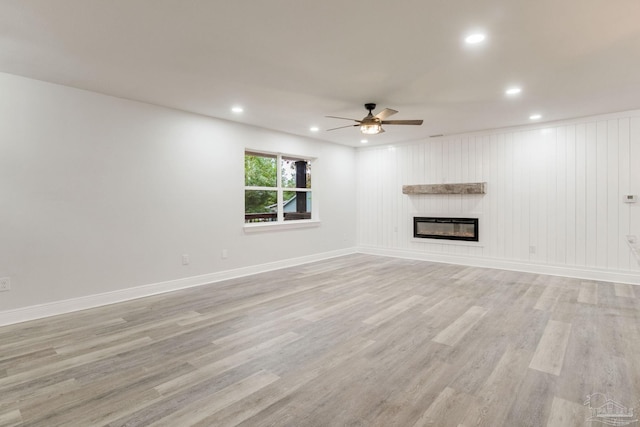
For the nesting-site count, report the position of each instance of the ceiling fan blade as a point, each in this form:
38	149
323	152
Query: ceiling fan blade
385	113
342	127
343	118
401	122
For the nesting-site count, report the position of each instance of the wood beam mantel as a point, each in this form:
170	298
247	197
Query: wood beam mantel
460	188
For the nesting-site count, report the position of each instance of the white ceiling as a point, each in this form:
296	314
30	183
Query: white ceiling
291	62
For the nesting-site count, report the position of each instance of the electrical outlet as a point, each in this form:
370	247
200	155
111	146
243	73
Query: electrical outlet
225	254
5	284
185	259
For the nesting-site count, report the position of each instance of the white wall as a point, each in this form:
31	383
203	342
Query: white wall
99	194
558	188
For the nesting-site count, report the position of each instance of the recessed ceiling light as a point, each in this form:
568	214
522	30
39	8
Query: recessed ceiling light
364	141
475	38
237	109
535	117
314	128
513	91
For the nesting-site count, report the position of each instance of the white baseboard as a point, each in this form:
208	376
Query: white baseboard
552	270
90	301
82	303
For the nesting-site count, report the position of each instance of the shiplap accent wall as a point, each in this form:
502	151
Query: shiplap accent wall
554	193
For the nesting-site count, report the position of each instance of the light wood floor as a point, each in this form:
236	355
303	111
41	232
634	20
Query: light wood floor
353	341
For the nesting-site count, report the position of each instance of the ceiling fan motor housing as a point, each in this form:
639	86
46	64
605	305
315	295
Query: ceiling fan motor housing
370	119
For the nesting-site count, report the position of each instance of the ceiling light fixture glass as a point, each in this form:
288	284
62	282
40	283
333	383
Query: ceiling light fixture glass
475	38
314	128
535	117
513	91
371	129
237	109
363	141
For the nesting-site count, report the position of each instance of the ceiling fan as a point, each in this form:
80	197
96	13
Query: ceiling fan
372	125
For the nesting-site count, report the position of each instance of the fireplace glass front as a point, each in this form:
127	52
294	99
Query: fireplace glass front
446	228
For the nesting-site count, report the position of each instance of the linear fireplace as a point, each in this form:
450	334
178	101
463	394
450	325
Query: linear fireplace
446	228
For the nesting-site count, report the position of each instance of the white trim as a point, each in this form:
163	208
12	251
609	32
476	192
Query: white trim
254	188
258	227
279	189
551	270
90	301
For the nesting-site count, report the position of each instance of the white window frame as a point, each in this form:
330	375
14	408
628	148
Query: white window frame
280	223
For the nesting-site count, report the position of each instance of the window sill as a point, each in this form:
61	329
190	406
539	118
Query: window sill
274	226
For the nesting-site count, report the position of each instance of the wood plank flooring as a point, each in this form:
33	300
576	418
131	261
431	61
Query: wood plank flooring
352	341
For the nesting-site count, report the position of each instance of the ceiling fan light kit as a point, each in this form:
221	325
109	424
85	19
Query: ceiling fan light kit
372	125
372	129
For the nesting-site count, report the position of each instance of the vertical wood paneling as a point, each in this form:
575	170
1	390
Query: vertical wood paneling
482	156
558	189
601	194
524	195
505	206
613	195
367	195
438	160
464	159
624	255
543	155
581	200
561	196
550	195
510	199
388	184
634	180
404	207
530	213
384	207
591	194
491	232
455	203
571	222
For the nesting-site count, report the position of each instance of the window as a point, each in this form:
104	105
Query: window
277	188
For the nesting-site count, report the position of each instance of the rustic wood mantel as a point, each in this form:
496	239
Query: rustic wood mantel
460	188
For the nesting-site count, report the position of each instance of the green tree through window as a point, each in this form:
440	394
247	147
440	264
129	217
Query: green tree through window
259	171
277	187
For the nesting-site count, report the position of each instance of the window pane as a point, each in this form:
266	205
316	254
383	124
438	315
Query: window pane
297	205
296	173
260	206
260	170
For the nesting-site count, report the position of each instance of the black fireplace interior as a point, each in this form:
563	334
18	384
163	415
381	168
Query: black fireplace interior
446	228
